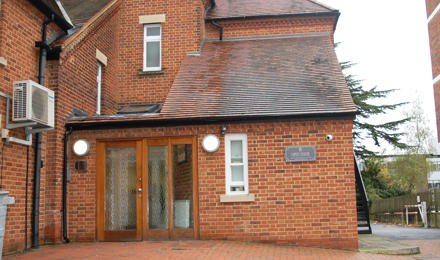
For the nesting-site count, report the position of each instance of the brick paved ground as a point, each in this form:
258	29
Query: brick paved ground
209	250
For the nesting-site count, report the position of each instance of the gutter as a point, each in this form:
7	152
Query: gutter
139	123
335	13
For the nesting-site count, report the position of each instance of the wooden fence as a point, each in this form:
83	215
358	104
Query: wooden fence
392	209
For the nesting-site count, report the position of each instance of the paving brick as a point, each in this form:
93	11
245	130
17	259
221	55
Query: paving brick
197	250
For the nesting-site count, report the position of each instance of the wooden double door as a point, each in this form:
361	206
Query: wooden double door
147	189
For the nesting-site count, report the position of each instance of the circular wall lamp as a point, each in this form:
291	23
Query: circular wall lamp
81	147
210	143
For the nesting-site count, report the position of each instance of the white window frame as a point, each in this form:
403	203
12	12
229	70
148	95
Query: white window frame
152	39
228	164
98	88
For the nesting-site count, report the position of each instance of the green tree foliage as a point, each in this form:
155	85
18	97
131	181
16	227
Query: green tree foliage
363	129
410	172
377	183
411	168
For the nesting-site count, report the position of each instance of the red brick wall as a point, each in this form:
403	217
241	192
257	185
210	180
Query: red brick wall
271	26
308	203
76	86
180	34
20	26
434	42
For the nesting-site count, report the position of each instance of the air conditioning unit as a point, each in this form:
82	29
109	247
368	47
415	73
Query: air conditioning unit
33	103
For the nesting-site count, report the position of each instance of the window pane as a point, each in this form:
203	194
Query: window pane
153	54
153	31
237	173
182	186
237	188
236	152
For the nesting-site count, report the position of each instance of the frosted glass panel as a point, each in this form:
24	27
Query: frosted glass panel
236	152
120	189
153	54
237	173
158	187
153	31
182	186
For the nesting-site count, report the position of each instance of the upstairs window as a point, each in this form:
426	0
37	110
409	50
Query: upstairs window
236	164
152	47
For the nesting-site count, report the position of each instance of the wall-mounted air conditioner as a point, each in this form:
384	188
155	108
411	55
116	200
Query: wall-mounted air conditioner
33	103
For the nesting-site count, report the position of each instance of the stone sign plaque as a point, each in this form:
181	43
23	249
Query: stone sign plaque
300	153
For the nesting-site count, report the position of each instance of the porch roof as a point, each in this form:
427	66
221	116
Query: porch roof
296	75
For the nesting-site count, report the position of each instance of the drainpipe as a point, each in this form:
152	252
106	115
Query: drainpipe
66	139
220	27
37	164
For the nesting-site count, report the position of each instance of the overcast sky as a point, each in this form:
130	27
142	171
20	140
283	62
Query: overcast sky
388	39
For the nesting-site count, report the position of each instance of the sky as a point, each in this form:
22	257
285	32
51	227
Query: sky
389	42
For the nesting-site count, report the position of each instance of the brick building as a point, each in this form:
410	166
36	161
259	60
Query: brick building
203	119
432	8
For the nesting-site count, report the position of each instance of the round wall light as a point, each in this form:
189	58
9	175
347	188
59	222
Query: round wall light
81	147
211	143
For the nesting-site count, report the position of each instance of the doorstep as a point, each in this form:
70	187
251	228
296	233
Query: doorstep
380	245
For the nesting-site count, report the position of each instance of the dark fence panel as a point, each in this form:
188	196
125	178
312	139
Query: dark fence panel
393	208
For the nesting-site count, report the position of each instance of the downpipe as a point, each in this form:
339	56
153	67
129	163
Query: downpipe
66	140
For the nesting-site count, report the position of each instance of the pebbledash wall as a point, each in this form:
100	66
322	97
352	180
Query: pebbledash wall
307	203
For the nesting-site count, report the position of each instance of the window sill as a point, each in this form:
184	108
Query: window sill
237	198
153	72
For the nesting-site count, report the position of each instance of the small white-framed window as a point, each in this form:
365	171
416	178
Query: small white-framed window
236	155
98	89
152	47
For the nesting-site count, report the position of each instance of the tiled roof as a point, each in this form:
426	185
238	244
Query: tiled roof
80	11
248	8
264	77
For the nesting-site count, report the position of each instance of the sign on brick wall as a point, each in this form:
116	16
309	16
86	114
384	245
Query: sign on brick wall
300	153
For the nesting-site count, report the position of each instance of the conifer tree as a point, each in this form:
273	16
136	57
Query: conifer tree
364	129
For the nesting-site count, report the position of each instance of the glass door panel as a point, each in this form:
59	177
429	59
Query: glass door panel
158	187
120	189
182	186
119	186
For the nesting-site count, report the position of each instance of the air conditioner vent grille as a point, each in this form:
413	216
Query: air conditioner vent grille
39	105
33	103
20	97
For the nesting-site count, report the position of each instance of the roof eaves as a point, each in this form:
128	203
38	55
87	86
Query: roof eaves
322	5
160	122
48	12
63	11
83	31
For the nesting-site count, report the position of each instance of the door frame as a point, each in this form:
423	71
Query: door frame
142	232
121	235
